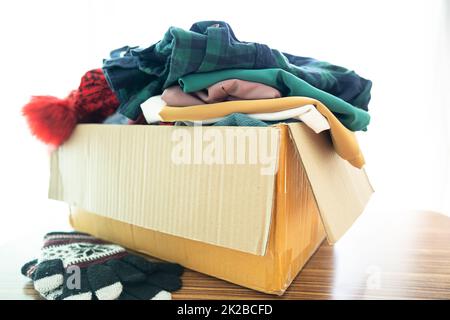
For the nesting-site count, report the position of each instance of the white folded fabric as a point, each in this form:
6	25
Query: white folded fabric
151	109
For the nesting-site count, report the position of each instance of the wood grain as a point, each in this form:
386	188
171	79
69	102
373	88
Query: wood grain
392	255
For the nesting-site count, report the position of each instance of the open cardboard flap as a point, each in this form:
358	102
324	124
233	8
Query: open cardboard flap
131	174
341	190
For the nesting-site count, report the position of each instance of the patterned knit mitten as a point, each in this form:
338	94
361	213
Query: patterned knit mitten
78	266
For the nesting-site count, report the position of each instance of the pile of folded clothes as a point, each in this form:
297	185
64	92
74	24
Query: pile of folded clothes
206	75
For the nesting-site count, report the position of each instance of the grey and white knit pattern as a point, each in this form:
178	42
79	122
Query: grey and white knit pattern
80	252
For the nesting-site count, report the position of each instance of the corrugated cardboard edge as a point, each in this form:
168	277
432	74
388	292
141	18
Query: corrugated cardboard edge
269	226
341	191
55	186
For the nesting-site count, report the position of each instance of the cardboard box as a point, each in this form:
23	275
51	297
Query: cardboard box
250	209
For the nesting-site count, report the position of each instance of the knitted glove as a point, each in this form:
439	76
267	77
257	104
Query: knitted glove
105	271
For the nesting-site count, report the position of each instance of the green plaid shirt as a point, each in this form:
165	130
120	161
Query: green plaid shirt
137	74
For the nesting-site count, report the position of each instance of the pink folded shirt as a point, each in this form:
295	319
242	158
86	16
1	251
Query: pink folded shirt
232	89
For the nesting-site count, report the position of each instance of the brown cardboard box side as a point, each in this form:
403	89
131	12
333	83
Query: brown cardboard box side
295	234
132	174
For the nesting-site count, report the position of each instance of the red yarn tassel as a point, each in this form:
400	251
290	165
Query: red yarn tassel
50	119
53	120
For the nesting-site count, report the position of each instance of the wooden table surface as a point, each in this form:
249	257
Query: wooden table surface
383	256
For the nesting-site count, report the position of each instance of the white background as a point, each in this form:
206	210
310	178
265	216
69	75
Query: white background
402	46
